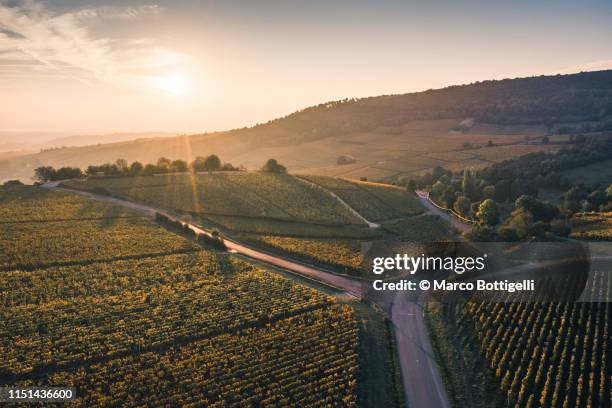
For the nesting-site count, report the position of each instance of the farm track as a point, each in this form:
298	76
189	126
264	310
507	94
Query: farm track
420	373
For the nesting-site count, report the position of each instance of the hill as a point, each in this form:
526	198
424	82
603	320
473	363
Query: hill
389	136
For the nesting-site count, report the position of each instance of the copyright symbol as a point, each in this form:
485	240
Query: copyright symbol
424	285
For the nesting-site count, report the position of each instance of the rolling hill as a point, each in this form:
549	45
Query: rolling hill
390	136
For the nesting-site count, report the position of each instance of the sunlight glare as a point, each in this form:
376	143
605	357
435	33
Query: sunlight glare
174	83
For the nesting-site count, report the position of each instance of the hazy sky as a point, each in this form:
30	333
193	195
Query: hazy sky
103	66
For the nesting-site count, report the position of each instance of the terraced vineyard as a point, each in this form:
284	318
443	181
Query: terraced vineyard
171	324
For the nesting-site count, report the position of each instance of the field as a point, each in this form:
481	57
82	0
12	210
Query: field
340	254
537	354
257	195
382	153
427	228
593	227
376	202
279	212
136	313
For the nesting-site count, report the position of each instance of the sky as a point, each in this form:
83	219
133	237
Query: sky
193	66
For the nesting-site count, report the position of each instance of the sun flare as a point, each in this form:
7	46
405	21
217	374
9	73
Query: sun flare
174	83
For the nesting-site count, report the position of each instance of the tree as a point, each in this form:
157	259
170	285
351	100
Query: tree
411	186
136	168
462	205
489	191
212	163
481	233
488	214
65	173
44	173
448	197
545	140
521	222
437	189
469	186
163	165
273	166
122	164
179	166
198	164
540	210
149	170
12	183
596	199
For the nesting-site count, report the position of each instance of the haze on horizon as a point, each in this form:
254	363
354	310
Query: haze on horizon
191	66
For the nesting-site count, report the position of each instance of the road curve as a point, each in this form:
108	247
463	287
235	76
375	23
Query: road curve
420	374
460	225
351	286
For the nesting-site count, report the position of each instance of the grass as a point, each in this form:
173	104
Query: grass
465	375
379	380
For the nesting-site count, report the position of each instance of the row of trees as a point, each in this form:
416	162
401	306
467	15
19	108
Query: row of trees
121	168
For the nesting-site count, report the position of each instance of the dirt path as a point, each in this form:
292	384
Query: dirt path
344	203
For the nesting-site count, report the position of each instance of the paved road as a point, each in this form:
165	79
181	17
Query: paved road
461	226
420	374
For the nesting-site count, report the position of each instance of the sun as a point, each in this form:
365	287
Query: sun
174	83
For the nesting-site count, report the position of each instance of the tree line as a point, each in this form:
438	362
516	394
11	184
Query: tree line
121	168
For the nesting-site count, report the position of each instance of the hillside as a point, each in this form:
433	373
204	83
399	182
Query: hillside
389	136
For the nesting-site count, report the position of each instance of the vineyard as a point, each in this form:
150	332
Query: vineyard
427	228
340	254
31	245
258	195
539	354
29	204
376	202
592	227
306	360
129	313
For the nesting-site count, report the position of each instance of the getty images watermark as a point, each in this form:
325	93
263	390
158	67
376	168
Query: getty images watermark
502	272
